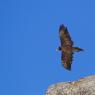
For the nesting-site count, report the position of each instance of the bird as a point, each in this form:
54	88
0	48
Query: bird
67	49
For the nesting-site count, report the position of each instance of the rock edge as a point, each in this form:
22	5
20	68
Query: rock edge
84	86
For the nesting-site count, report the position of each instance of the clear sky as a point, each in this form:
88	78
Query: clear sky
29	37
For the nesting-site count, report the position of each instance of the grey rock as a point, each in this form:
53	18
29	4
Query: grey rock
84	86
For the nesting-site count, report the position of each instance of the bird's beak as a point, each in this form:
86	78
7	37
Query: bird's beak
57	50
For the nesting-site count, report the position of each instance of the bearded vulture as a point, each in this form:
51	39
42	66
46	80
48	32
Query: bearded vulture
66	48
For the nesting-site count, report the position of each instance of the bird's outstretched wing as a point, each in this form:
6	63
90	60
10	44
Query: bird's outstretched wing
66	43
65	37
66	59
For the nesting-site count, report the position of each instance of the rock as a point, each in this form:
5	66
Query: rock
84	86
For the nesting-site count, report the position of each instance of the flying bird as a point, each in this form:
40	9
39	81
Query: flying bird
66	48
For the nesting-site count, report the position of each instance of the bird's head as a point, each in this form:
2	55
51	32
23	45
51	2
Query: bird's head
58	49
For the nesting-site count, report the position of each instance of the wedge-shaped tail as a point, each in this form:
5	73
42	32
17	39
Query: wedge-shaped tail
77	49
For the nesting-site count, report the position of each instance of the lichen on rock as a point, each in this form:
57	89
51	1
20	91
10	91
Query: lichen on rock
84	86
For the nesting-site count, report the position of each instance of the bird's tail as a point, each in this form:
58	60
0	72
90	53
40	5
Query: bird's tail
77	49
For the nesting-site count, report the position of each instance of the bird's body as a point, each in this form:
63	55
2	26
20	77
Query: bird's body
66	47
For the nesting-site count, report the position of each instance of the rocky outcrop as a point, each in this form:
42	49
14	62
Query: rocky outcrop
84	86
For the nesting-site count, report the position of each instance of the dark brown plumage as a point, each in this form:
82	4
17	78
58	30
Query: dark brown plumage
67	47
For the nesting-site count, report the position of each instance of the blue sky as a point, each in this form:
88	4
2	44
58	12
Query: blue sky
29	37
